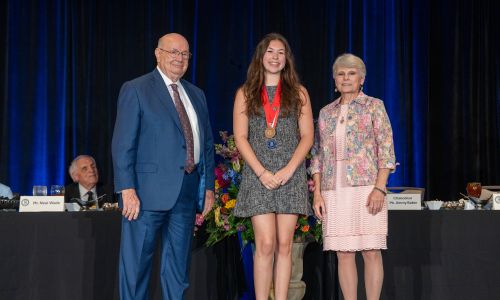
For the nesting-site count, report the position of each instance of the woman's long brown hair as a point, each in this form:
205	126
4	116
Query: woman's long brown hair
290	84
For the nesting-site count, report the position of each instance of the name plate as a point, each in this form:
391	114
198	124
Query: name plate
496	200
41	203
404	201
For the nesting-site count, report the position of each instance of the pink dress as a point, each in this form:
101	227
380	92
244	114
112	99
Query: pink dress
347	225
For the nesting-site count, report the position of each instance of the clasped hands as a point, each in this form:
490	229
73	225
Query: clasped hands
272	180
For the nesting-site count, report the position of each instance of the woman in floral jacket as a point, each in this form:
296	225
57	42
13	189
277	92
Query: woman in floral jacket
352	159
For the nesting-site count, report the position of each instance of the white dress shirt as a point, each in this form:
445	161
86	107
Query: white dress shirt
193	118
83	193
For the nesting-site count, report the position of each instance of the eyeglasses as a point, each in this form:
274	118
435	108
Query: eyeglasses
174	53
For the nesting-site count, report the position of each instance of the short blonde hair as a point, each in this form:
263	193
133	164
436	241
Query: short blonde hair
348	60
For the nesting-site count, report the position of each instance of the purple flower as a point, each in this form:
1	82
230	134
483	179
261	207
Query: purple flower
241	227
310	185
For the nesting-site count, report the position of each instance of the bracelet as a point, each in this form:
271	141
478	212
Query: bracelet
259	176
380	190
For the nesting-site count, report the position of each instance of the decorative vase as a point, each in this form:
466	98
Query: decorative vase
297	287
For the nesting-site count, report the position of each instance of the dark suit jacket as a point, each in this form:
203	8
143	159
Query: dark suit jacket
72	191
148	144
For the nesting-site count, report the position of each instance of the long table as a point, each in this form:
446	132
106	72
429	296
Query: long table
75	256
446	254
443	255
432	255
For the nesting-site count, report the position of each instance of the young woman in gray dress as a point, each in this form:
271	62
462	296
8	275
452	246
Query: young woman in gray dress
273	131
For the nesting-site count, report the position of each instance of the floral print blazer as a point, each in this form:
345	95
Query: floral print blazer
369	144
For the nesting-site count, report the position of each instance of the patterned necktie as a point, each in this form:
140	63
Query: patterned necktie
186	128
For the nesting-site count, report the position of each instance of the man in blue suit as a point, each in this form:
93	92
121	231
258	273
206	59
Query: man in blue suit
164	170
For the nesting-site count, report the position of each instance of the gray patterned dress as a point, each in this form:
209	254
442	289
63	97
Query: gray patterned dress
291	198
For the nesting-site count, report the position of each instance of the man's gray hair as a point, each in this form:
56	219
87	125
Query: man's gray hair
72	166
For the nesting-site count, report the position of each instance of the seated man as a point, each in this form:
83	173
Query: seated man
5	192
86	186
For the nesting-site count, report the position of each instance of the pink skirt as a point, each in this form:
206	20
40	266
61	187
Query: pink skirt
347	225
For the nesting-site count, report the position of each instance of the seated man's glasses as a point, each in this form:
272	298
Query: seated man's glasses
174	53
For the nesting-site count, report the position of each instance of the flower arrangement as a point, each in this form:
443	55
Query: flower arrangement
220	222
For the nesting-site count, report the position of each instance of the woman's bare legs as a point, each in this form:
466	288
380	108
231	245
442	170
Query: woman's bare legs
374	273
285	224
348	275
264	227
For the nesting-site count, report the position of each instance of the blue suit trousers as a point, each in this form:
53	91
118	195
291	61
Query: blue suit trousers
138	244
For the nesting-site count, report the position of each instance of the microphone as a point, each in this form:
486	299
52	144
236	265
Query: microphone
78	201
86	204
99	198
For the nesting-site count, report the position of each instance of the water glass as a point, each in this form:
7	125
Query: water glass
39	190
57	190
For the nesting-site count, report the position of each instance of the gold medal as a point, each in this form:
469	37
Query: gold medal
271	112
270	132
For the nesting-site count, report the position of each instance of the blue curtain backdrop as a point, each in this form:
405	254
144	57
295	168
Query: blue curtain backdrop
435	66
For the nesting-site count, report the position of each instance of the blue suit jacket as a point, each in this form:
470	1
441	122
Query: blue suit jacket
148	144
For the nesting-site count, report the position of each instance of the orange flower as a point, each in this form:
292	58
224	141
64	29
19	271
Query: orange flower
305	228
224	198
